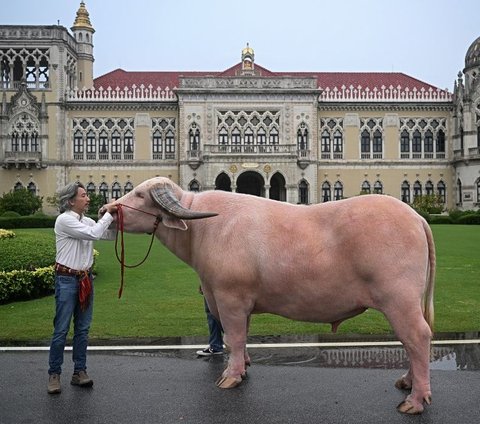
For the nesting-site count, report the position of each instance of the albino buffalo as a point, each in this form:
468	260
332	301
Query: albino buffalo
321	263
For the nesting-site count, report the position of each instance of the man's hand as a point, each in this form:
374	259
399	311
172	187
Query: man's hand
109	207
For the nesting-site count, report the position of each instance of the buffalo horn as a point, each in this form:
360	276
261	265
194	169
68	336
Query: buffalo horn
164	197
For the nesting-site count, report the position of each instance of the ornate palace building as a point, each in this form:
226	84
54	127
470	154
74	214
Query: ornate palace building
299	137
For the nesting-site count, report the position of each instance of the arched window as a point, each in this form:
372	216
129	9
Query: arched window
116	190
429	191
378	187
157	145
325	145
32	188
18	186
90	188
261	136
273	136
91	146
248	140
366	189
338	190
337	145
194	186
365	145
194	137
428	144
223	136
326	192
116	146
404	145
236	140
128	187
103	190
128	145
441	191
417	189
417	144
377	145
302	137
406	192
303	192
440	144
170	144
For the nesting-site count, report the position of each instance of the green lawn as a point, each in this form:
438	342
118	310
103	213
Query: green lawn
161	297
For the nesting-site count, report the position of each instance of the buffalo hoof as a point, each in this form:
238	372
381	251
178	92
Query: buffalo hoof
407	407
228	382
403	384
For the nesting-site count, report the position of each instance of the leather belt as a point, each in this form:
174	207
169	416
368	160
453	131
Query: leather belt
65	270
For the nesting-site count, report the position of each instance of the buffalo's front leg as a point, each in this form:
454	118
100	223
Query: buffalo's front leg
235	328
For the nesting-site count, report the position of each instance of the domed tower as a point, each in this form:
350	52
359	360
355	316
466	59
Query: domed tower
472	65
83	32
248	61
466	131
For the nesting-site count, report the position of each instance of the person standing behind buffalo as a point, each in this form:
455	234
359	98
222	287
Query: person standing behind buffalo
74	235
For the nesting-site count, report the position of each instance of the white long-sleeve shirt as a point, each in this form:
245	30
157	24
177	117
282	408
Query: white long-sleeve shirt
74	236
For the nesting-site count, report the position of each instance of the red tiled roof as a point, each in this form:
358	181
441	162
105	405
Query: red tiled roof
121	79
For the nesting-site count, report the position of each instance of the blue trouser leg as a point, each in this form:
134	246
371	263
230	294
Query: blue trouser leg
215	329
67	305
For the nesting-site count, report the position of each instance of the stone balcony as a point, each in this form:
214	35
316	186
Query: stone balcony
22	159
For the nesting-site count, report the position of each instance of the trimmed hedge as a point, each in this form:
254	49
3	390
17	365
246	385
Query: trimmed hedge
440	219
28	250
30	221
469	219
26	265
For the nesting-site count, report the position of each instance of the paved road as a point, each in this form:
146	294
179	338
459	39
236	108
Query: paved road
147	388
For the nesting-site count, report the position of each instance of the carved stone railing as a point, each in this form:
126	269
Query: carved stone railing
127	94
383	94
251	149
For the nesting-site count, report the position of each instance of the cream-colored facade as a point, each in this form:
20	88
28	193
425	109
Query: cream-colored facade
292	138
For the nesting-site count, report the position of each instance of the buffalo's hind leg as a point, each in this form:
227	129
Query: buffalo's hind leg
415	334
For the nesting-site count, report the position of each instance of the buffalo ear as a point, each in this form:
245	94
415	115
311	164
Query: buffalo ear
175	223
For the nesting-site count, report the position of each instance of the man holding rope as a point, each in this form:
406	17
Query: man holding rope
74	234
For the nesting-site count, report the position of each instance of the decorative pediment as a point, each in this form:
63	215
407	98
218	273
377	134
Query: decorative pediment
23	101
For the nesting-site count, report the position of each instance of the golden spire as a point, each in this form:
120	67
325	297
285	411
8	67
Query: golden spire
248	51
82	20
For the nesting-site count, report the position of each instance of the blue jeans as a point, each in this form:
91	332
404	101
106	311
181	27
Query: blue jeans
215	339
66	306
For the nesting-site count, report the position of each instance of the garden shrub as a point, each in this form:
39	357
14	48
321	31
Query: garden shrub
6	234
469	219
10	214
23	284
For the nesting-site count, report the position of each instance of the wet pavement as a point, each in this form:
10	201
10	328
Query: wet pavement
291	380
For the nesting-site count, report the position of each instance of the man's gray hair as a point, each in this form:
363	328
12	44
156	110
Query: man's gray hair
66	194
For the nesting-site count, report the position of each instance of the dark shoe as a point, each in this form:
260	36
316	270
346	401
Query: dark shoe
54	384
209	352
81	379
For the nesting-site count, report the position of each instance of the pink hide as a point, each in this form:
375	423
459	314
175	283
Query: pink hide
320	263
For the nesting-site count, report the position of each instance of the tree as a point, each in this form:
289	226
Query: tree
96	202
428	203
21	201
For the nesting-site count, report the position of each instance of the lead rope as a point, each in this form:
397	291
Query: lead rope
120	228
